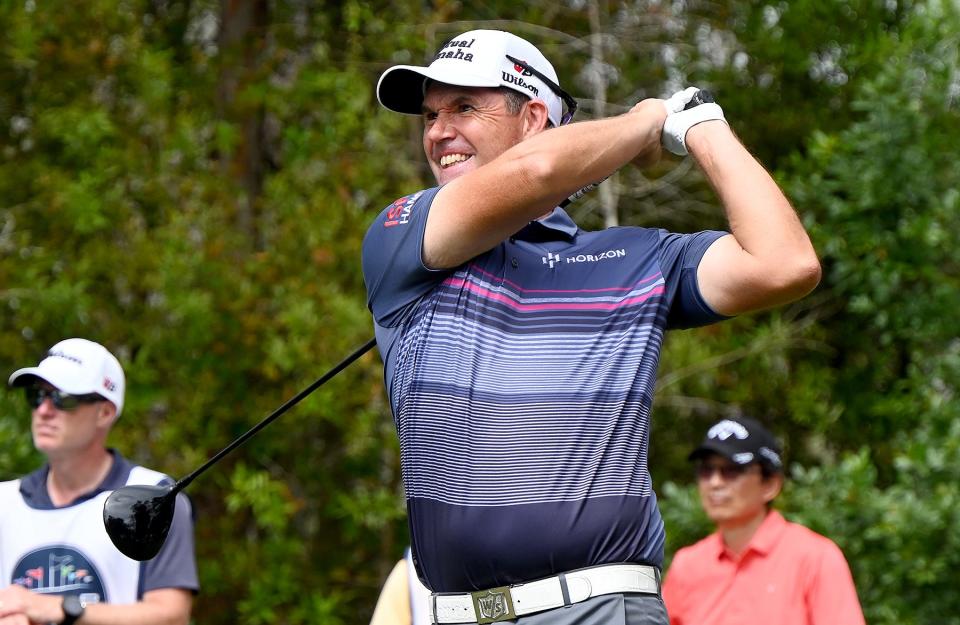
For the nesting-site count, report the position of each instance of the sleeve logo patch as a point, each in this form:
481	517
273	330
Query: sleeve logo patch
399	212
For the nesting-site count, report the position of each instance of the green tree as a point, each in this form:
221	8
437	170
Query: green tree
884	192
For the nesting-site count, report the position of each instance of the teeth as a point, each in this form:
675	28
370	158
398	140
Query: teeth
450	159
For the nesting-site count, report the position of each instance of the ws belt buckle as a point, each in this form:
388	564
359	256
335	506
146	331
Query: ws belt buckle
493	605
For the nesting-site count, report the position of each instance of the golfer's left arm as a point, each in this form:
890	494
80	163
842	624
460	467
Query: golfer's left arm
768	260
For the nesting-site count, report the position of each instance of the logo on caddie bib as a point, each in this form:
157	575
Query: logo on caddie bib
59	570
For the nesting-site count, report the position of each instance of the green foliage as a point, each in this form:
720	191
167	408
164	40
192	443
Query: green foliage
17	455
885	194
197	201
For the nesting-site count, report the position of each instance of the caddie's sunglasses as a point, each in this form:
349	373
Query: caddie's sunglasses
566	97
728	472
61	400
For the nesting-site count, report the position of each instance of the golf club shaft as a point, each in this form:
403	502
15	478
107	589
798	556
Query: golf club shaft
700	97
184	481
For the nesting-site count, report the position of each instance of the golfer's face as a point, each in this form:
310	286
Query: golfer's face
732	494
57	432
465	127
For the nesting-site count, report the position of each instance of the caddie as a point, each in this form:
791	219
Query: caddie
56	561
520	351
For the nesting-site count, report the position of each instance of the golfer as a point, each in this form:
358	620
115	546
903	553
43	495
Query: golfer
757	568
520	351
54	551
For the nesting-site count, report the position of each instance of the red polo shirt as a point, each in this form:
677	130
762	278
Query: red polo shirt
787	575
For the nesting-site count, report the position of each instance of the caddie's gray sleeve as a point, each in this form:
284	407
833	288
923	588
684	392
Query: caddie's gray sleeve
176	565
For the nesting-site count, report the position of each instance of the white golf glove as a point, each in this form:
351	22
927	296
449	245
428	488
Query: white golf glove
677	101
679	121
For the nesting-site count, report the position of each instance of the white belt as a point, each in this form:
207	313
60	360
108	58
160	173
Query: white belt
509	602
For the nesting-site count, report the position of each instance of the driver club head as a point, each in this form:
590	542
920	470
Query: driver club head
138	517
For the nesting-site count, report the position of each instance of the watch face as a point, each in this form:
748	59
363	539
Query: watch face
72	608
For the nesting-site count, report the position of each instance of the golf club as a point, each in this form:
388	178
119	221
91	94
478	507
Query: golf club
138	517
702	96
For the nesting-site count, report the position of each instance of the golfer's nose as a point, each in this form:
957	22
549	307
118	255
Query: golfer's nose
46	408
442	127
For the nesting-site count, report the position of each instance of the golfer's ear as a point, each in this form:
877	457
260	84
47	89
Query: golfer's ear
536	118
772	487
107	414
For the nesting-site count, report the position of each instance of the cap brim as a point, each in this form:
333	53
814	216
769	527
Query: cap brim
710	447
51	374
400	88
23	377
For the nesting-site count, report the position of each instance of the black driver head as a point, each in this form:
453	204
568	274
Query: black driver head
137	519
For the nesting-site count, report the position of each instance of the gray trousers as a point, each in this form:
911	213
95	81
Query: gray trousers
624	609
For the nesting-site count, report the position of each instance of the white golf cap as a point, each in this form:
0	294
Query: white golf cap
478	58
78	367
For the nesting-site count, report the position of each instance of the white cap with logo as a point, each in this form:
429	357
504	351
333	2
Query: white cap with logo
78	367
477	58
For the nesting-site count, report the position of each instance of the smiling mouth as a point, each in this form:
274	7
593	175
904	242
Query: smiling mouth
448	160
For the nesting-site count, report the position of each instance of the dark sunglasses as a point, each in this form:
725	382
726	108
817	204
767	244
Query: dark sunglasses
62	401
728	472
566	97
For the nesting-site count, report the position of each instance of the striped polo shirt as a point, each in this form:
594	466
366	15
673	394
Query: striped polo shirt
521	386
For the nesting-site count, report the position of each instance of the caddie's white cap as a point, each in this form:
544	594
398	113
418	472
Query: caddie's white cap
78	367
477	58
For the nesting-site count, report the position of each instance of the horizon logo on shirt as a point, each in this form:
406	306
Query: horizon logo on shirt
552	259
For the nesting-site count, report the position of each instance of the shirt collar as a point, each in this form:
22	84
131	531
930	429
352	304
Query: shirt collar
763	541
33	487
768	533
556	225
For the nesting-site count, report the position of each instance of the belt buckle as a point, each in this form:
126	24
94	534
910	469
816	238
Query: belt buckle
493	605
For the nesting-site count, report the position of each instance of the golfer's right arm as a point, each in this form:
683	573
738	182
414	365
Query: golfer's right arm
475	212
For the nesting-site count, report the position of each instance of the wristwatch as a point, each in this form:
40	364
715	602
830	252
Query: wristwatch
72	609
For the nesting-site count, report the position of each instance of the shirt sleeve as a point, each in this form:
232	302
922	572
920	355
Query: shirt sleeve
175	566
832	595
680	256
393	268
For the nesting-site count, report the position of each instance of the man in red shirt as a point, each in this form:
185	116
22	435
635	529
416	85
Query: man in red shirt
757	567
